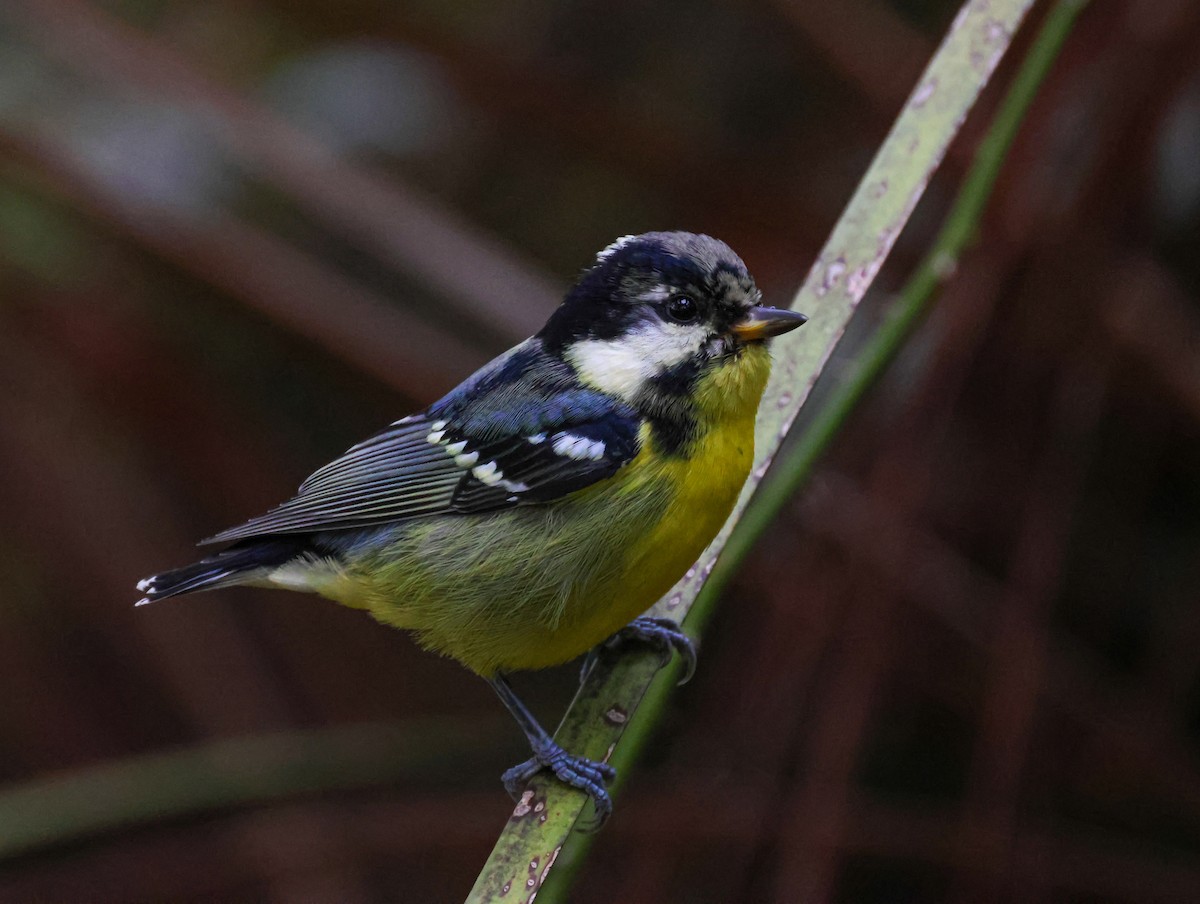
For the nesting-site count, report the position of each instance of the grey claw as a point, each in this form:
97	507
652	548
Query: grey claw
663	634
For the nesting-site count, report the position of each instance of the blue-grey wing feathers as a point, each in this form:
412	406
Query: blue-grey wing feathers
397	474
518	432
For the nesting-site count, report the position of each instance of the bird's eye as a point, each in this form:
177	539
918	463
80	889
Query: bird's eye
683	309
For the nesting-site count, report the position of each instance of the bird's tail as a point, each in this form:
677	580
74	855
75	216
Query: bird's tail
238	565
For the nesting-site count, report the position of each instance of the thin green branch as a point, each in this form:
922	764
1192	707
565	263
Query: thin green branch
531	842
956	234
792	470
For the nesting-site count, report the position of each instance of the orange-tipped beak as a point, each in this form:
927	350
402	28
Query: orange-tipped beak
763	323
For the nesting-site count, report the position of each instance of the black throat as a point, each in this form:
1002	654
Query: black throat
668	407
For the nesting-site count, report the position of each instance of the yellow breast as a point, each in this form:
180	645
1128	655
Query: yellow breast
704	488
701	488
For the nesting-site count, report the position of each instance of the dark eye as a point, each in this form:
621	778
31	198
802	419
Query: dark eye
682	309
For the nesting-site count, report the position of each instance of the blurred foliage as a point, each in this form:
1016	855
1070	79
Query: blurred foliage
235	237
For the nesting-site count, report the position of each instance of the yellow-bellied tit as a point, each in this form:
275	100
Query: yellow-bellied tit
541	506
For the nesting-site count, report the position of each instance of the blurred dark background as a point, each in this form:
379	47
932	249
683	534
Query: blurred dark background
237	236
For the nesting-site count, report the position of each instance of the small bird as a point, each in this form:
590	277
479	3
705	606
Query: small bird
540	507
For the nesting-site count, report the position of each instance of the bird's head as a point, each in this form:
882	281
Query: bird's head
669	319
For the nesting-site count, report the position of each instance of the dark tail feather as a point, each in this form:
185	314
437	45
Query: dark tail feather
230	566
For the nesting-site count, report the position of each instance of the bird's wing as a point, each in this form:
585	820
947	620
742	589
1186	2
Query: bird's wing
484	447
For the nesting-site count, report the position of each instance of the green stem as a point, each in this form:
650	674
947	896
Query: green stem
957	232
791	472
534	837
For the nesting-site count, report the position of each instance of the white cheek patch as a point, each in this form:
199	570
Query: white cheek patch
624	366
617	368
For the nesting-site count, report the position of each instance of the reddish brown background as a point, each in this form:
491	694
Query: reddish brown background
236	237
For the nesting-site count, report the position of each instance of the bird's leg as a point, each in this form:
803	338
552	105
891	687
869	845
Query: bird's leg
588	776
662	634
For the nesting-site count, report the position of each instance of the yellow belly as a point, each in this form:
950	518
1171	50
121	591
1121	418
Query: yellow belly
703	490
583	567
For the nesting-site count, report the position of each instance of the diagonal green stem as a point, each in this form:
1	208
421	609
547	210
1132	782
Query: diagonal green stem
957	232
794	468
534	837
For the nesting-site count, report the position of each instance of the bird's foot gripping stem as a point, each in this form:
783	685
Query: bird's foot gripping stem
662	634
588	776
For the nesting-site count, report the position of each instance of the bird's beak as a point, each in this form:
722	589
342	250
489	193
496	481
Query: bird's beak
763	323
